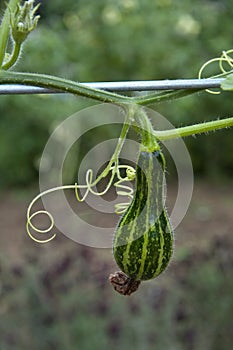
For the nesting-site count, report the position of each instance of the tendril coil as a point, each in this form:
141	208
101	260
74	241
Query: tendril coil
226	59
123	190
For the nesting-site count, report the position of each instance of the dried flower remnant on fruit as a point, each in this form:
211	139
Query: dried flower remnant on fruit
123	284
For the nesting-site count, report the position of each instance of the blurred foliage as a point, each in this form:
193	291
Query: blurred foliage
108	40
67	302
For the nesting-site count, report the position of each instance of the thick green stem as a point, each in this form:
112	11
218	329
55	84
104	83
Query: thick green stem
145	129
70	86
194	129
5	29
60	84
105	96
47	81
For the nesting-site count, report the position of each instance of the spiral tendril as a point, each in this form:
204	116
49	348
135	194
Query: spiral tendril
122	190
224	58
90	184
30	224
112	168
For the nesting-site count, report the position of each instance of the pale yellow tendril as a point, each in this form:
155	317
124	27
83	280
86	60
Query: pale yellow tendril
30	226
225	58
122	190
113	168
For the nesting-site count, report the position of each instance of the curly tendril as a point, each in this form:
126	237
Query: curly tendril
90	184
29	223
120	208
30	226
112	168
225	58
122	190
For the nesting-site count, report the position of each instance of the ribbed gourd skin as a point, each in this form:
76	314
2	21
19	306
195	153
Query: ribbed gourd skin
143	241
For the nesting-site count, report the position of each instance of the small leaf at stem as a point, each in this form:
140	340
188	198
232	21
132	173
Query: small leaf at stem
227	83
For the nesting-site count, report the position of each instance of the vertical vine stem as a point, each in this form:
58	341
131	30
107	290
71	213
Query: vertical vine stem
145	129
5	29
14	57
130	110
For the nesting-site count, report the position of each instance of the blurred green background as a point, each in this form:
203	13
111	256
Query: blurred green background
56	296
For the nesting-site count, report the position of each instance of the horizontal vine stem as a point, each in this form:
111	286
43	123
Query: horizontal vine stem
60	84
194	129
163	96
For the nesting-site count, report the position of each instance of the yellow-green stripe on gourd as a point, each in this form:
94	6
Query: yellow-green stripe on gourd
143	241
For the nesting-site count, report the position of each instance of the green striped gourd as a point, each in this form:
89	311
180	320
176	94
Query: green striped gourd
143	241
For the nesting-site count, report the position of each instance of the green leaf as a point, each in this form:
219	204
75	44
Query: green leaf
227	84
